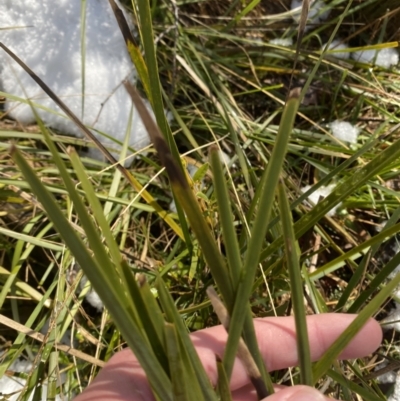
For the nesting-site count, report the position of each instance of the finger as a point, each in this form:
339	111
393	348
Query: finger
122	378
277	342
296	393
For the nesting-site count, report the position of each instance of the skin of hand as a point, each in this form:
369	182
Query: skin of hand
122	379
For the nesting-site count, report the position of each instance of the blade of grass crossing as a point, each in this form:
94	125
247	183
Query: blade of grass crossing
223	382
186	198
336	263
179	384
115	301
129	177
364	392
340	192
133	48
259	229
296	286
173	316
379	279
322	366
359	273
155	95
138	305
225	216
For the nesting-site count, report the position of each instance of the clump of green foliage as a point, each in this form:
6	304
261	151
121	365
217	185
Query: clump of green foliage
246	230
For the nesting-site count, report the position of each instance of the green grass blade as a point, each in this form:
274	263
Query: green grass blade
296	286
176	367
365	393
223	382
375	283
336	263
112	298
125	274
259	229
186	198
361	269
83	54
133	48
154	91
129	177
95	205
339	193
322	366
226	217
173	316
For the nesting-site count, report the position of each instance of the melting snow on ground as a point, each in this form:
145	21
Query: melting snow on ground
284	42
320	194
344	131
12	386
46	35
384	58
337	45
318	13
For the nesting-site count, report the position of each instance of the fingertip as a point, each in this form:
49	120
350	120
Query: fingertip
366	341
297	393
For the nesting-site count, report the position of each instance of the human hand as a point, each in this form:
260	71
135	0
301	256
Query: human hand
122	379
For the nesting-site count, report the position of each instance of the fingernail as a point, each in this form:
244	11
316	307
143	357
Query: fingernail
307	394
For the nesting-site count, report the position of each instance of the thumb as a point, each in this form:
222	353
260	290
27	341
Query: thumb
297	393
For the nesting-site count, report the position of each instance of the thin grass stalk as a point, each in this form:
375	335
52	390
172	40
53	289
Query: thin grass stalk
173	316
133	48
258	231
321	57
379	278
316	297
178	372
243	353
129	177
366	245
365	392
147	35
101	282
148	73
223	389
186	198
342	191
322	366
234	258
53	376
360	271
226	217
296	286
